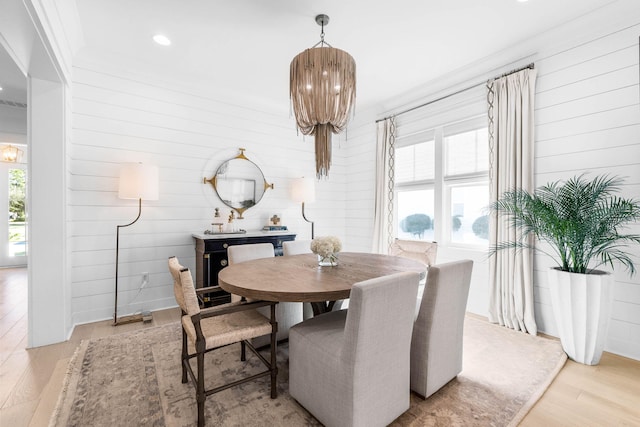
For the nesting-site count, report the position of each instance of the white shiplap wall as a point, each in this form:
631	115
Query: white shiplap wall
122	117
587	119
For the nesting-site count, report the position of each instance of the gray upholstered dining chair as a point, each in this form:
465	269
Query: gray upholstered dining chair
298	247
436	342
287	313
205	330
351	367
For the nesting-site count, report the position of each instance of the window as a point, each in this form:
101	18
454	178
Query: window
415	213
17	213
469	223
467	152
445	176
415	163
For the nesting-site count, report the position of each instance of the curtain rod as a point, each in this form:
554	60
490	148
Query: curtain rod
530	66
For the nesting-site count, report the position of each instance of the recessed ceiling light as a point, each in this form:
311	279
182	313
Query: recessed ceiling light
161	40
0	87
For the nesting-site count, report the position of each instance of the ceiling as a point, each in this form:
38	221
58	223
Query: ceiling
245	46
12	81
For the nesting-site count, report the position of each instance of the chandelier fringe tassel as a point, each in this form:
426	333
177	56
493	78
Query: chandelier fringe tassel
323	150
323	91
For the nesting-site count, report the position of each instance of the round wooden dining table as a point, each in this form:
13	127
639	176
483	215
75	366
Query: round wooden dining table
299	278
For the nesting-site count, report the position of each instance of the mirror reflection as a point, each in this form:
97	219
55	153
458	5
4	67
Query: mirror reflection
239	183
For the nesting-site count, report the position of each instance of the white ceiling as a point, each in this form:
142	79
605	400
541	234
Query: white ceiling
12	81
245	46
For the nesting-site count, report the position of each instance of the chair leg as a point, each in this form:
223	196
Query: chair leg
200	396
243	351
274	343
184	357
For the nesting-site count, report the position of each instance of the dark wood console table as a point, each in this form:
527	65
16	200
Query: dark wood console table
211	257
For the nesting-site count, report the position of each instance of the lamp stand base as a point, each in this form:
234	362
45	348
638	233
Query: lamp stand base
133	319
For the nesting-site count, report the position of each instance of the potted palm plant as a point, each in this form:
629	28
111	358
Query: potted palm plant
582	223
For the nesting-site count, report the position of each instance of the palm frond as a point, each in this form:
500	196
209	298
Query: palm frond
581	220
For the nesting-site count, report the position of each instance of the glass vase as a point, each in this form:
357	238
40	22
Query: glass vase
330	260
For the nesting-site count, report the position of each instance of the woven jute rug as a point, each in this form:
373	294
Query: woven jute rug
134	379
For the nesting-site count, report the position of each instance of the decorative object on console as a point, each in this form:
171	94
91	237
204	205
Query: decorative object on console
275	220
275	224
323	92
240	231
217	221
327	249
239	183
221	227
137	181
304	190
274	228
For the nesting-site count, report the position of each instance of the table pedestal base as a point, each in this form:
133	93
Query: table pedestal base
322	307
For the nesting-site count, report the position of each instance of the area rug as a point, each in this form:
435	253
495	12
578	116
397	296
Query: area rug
134	379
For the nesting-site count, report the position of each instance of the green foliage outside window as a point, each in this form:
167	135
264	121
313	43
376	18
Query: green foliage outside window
480	227
17	195
416	224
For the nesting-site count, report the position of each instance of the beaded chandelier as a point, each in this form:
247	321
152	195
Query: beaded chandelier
323	92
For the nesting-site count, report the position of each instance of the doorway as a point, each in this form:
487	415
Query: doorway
41	77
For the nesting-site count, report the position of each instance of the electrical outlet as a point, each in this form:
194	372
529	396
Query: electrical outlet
145	278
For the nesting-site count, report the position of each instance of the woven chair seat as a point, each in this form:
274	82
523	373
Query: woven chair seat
227	329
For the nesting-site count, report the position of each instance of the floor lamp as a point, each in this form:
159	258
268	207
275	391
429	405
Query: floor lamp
137	181
304	190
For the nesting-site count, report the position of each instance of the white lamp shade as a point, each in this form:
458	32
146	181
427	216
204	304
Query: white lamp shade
138	181
303	190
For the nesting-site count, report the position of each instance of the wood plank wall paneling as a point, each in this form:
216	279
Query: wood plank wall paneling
587	119
361	183
119	117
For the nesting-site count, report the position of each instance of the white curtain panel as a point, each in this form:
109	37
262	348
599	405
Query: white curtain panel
511	102
383	209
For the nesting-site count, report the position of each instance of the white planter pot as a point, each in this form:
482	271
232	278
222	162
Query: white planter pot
581	306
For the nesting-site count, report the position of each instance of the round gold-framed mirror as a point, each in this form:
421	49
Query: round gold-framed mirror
239	183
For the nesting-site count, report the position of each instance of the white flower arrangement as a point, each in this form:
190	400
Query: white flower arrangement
326	248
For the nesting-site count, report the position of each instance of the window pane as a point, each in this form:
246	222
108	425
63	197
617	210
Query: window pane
414	162
469	222
17	213
415	214
467	152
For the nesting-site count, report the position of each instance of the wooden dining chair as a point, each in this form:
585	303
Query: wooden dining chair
419	250
206	330
298	247
287	313
351	367
436	342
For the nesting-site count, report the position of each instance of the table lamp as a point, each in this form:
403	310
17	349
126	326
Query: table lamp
137	181
304	190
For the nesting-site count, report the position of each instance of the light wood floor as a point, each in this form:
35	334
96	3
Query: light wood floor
30	380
